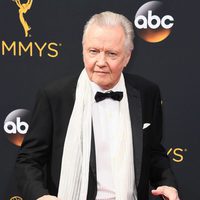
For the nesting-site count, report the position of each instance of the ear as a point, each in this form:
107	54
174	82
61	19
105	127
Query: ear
127	57
83	52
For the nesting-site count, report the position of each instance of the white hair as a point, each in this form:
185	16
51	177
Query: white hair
110	19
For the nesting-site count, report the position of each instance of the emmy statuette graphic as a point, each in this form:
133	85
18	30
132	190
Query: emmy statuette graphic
23	8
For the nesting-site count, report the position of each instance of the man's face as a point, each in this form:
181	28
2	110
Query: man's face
104	55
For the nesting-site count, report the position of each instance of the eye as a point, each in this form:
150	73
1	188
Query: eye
112	54
93	51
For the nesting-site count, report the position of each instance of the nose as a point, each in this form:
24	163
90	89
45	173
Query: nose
101	60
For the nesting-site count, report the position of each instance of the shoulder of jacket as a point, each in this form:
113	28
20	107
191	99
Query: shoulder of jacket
140	83
62	86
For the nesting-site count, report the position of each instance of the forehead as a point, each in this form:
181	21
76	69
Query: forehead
105	37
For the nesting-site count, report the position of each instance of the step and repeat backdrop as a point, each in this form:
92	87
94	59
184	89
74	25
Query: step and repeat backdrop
40	41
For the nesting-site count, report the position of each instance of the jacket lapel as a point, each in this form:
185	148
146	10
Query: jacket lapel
92	154
135	110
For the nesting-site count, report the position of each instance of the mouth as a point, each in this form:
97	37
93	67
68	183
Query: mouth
101	72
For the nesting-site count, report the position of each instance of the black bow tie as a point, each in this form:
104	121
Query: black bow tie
117	96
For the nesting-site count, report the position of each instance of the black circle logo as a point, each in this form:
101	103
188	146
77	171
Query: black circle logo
16	125
153	22
16	198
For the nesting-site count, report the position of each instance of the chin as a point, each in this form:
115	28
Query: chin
102	81
105	86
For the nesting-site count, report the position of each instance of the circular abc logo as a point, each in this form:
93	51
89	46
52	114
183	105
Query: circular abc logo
16	125
153	22
16	198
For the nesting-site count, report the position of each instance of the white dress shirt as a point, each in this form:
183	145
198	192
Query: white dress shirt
105	115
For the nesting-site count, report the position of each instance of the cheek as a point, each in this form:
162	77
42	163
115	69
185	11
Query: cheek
89	66
117	68
88	63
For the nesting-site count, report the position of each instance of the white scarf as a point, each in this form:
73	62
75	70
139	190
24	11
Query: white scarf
74	175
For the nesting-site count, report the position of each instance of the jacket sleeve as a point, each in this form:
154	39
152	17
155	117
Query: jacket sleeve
33	154
160	171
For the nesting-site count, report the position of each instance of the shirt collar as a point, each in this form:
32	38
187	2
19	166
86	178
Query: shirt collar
96	88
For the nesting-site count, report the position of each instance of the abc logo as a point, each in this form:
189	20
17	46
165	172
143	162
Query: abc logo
152	23
16	198
142	22
16	125
12	128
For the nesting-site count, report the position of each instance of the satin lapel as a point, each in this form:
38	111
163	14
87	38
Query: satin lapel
135	109
92	155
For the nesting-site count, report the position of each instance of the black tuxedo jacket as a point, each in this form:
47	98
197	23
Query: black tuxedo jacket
39	161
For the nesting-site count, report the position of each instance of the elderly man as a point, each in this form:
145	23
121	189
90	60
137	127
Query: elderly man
98	136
